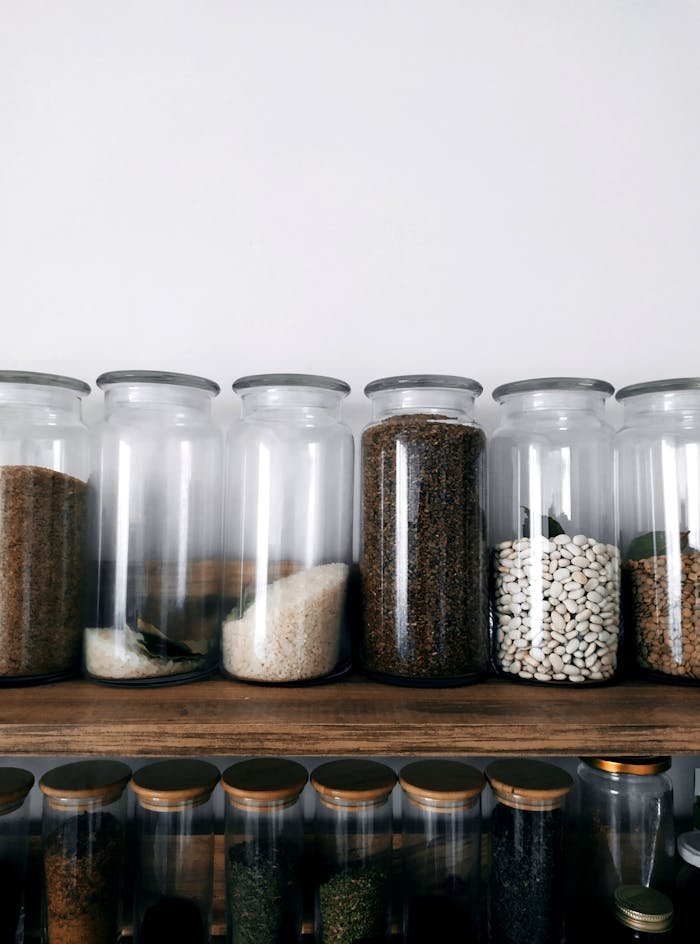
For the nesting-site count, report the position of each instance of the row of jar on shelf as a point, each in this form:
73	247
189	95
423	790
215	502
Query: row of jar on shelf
145	504
624	869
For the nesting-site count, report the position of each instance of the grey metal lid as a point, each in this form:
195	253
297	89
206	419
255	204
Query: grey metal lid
291	380
658	386
157	377
44	380
431	381
553	383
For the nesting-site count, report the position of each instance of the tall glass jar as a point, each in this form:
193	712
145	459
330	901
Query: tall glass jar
15	785
175	851
555	562
155	530
423	558
353	851
441	852
687	896
83	831
288	531
625	830
528	885
658	452
43	520
264	851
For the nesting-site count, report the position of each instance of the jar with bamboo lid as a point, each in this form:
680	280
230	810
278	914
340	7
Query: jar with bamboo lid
264	850
175	851
15	785
353	851
528	852
83	836
643	914
441	851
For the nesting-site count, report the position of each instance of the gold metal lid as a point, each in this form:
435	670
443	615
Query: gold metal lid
85	782
528	784
356	781
643	909
441	781
264	781
15	784
169	785
641	766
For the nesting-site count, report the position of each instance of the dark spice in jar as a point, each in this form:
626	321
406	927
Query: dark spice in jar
42	547
172	920
263	895
442	914
424	561
354	907
11	896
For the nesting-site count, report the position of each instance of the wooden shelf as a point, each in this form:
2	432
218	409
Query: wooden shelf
353	716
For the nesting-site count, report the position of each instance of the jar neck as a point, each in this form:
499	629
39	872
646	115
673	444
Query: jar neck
559	402
675	403
291	402
436	401
172	398
46	404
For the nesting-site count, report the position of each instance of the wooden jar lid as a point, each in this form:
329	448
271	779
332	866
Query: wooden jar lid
169	784
15	784
264	781
640	766
444	781
528	784
87	780
354	781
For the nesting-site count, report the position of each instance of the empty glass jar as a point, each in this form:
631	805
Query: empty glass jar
15	785
423	558
155	530
441	852
288	530
175	851
264	850
556	582
43	521
658	451
83	832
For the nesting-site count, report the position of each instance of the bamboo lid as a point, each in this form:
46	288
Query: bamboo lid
172	784
528	784
15	784
356	781
640	766
87	780
264	781
446	781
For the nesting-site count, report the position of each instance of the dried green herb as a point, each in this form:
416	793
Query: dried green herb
654	544
264	895
549	526
354	907
154	643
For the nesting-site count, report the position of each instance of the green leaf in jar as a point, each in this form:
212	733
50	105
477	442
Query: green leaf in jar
653	544
550	527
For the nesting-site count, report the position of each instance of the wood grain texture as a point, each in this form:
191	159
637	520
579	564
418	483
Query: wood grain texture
350	717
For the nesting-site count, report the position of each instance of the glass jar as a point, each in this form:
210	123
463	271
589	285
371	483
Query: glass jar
288	531
353	851
528	884
264	850
441	852
155	530
175	851
643	914
423	556
555	563
625	830
15	785
43	520
83	835
688	885
658	452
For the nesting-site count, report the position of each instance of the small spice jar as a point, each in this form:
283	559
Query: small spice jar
353	851
83	835
423	557
264	850
175	851
15	785
625	830
441	851
659	487
555	561
43	520
155	530
288	531
688	885
528	853
643	914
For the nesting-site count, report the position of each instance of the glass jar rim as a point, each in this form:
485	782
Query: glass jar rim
574	384
291	380
673	384
429	381
113	377
44	380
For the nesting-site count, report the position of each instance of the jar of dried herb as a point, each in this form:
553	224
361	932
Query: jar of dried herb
643	914
174	851
659	487
353	852
83	835
264	850
441	852
423	554
528	882
15	785
155	531
43	519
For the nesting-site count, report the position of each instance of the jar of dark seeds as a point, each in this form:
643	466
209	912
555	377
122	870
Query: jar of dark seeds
423	556
174	851
263	852
83	832
353	852
43	519
441	852
15	785
527	899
